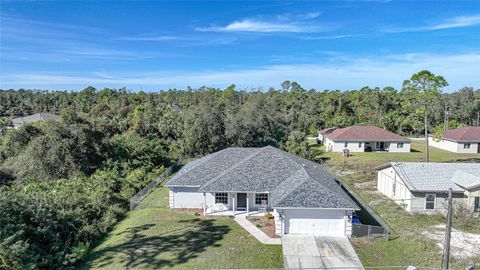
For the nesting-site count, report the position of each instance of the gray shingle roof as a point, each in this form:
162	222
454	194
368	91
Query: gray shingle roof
420	176
292	182
466	180
34	118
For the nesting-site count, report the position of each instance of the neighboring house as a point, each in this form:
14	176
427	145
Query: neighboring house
324	132
303	195
363	139
17	122
423	187
460	140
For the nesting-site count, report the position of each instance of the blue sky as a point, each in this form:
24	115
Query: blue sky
157	45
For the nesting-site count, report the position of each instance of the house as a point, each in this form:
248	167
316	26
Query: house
17	122
423	187
363	139
460	140
324	132
302	194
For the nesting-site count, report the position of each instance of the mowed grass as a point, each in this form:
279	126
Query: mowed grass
156	237
411	247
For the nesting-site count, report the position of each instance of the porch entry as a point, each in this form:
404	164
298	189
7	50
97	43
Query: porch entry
380	145
241	201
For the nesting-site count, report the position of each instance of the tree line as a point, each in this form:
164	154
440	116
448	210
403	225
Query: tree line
64	184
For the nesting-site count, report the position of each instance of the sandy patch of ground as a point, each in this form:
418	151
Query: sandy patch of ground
343	173
462	245
364	184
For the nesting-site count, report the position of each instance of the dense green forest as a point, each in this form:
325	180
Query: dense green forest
63	184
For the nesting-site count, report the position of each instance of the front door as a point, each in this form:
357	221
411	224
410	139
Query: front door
380	145
477	204
241	200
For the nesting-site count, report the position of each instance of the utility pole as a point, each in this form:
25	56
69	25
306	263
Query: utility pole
445	119
426	133
478	117
448	231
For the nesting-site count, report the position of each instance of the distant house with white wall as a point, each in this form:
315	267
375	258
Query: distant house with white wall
18	122
460	140
363	139
422	187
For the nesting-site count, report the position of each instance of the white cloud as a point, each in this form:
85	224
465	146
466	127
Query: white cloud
153	38
252	25
456	22
340	72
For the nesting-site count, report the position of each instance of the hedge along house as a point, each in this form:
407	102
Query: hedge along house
363	139
423	187
460	140
302	194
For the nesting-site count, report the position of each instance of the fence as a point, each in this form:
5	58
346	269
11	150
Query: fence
387	232
137	198
370	231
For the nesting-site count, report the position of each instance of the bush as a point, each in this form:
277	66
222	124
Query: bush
52	224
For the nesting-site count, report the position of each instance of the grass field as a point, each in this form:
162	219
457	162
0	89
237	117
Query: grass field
411	247
156	237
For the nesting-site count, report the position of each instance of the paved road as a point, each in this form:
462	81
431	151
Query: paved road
319	252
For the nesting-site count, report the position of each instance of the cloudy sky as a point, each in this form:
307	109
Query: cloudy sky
157	45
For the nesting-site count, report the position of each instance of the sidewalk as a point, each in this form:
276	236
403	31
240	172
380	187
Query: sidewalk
256	232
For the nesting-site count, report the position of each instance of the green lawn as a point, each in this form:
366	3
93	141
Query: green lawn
156	237
411	247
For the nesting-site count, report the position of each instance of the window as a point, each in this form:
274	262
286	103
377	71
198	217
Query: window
466	146
394	187
221	198
261	197
477	204
359	145
346	144
400	145
430	201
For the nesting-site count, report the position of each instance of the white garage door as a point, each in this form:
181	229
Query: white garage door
317	222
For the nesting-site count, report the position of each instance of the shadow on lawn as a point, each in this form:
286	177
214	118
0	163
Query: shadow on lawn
168	249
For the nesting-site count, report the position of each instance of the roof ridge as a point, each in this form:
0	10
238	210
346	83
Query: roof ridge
395	164
465	132
234	166
279	199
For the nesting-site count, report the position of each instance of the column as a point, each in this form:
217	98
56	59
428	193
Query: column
204	204
233	203
248	206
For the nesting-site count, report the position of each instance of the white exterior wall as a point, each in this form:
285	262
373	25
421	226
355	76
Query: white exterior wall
316	221
405	149
183	197
338	146
385	180
454	146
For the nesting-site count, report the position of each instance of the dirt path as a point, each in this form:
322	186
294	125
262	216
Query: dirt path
462	245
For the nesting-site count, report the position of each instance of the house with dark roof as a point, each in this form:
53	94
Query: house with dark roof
17	122
302	195
459	140
422	187
363	139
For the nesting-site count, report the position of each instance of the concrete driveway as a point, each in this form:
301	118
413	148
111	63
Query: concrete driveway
318	252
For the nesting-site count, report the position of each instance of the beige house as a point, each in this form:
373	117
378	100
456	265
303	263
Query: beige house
423	187
460	140
363	139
